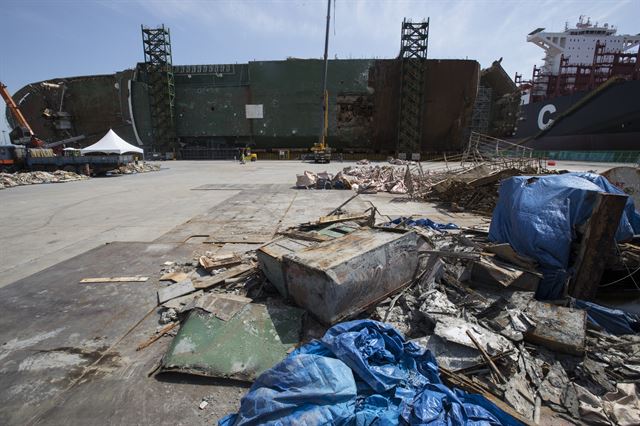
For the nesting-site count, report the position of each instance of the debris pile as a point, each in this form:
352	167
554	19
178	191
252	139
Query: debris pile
473	313
8	180
473	192
464	188
369	179
136	167
442	304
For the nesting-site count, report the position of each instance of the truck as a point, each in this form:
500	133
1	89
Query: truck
14	158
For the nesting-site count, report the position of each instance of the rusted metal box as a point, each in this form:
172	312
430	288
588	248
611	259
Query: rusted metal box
337	279
270	255
270	260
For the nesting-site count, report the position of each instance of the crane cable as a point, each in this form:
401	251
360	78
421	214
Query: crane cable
629	275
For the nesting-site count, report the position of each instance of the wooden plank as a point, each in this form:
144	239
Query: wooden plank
209	264
326	220
175	290
598	239
164	330
455	254
558	328
305	236
486	357
208	282
114	280
493	177
463	382
176	277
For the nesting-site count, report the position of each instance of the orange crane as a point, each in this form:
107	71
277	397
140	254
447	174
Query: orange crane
23	124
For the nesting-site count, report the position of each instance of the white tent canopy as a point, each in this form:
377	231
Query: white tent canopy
111	143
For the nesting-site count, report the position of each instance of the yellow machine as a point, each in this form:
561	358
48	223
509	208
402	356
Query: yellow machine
247	155
320	149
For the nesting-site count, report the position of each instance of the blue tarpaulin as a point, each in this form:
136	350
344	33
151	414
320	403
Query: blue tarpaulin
361	373
538	215
424	223
614	321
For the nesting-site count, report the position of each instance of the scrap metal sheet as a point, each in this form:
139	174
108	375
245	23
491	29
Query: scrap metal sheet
252	341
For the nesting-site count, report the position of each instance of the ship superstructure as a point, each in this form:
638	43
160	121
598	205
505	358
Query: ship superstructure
581	58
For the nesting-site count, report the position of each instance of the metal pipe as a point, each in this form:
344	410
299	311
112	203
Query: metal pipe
323	131
64	89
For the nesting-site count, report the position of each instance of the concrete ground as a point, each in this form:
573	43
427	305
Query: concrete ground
41	225
67	350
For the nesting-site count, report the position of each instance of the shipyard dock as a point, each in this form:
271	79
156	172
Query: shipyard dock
173	252
79	352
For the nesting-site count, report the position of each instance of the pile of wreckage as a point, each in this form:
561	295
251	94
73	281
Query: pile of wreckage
462	188
409	319
135	167
8	180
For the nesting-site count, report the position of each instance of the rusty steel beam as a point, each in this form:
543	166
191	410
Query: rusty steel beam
598	239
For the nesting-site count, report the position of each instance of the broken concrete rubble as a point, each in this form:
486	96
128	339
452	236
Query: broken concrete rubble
8	180
136	167
471	188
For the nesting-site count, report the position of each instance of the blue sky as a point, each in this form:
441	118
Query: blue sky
48	39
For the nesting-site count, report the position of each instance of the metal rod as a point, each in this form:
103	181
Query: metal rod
323	131
337	209
486	357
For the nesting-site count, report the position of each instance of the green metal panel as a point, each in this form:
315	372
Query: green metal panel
254	340
212	104
141	113
203	110
595	156
291	94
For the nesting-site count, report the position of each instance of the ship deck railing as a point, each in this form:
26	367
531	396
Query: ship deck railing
499	154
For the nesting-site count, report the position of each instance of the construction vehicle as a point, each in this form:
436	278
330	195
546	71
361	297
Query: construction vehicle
321	150
22	134
247	155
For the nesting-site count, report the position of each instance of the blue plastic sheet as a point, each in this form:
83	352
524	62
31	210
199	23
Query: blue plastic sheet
424	223
538	215
361	373
614	321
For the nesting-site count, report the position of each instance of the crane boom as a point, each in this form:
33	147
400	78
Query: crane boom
321	150
15	110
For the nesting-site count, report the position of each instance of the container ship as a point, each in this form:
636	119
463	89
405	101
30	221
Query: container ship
585	98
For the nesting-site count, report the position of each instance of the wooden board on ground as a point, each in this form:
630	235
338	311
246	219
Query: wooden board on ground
209	264
114	280
558	328
206	282
175	290
176	277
